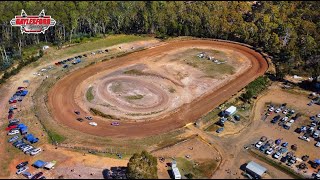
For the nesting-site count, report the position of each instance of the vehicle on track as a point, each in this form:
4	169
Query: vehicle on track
80	119
93	123
115	123
77	112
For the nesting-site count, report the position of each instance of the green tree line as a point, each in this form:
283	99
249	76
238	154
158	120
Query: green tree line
288	31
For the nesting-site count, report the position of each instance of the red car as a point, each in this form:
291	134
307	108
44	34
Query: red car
21	88
13	101
11	127
10	116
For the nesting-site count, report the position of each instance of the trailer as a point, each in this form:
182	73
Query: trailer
39	164
50	165
31	138
24	92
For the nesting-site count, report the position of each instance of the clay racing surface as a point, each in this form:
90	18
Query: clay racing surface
144	98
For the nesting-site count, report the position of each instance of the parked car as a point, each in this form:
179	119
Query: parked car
13	132
264	147
22	164
271	109
14	120
35	151
269	151
284	158
36	176
258	144
29	151
14	138
43	177
284	119
317	144
29	147
21	170
285	111
276	155
220	130
304	138
27	174
17	142
275	119
277	110
285	144
303	128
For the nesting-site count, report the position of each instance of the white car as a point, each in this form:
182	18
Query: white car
304	138
285	118
317	144
21	170
258	144
93	123
27	148
318	115
291	121
271	109
269	151
35	151
277	110
285	111
276	155
13	132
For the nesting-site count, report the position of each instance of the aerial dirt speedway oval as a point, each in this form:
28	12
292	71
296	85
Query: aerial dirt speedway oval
62	103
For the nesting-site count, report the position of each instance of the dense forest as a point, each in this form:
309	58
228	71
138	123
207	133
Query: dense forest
288	31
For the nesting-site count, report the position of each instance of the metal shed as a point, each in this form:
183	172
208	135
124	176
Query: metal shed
231	110
255	169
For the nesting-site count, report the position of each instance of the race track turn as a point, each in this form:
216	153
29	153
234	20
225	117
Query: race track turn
61	97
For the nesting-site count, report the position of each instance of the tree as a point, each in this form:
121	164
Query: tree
142	166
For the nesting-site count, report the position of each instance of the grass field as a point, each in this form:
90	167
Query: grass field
198	170
89	94
135	97
96	44
208	67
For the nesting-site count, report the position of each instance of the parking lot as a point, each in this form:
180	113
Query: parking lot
291	133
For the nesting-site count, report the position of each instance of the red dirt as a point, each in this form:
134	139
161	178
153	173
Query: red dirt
62	104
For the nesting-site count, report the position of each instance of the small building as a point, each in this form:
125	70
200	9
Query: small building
230	111
50	165
175	171
39	164
255	170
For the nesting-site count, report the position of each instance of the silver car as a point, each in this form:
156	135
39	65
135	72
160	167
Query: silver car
23	169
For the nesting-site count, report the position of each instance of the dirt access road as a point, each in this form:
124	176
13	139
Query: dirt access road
62	104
